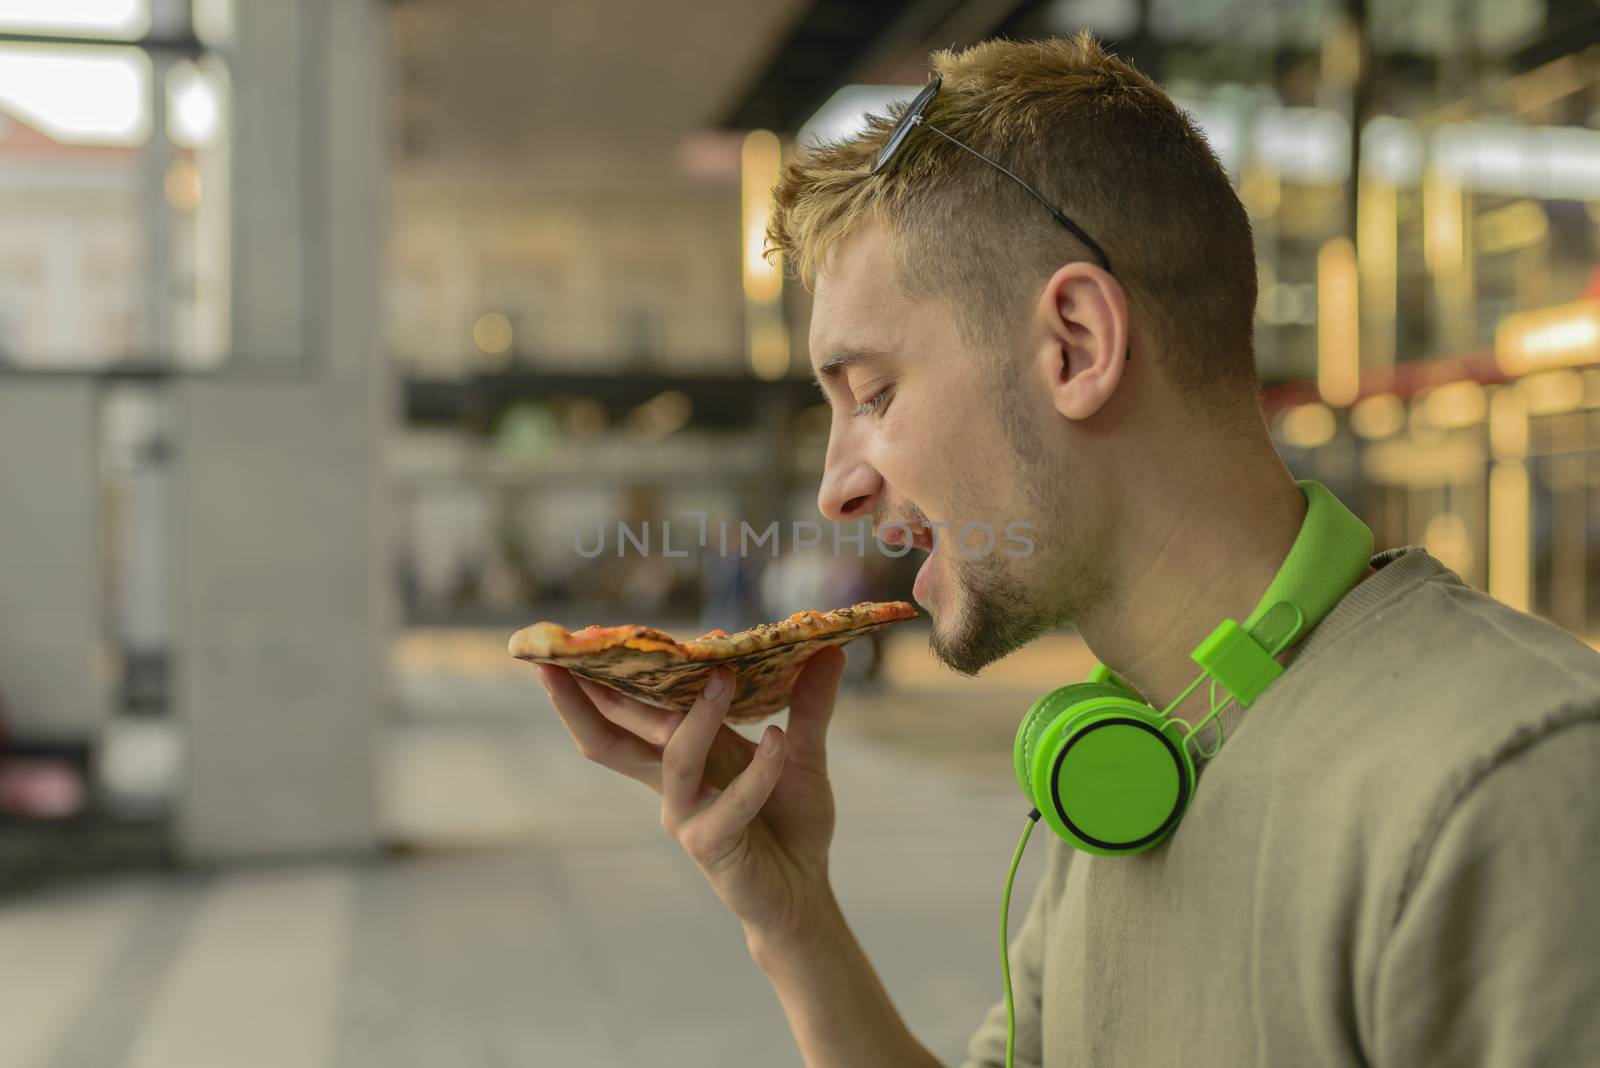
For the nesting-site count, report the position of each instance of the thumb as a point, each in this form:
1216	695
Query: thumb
811	708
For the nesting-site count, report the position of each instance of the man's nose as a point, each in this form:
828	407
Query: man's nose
849	490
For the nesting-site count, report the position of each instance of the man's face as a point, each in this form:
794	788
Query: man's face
927	432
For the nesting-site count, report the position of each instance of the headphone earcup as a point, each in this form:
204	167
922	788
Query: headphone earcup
1107	772
1045	711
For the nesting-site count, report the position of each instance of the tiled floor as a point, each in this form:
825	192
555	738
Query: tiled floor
542	916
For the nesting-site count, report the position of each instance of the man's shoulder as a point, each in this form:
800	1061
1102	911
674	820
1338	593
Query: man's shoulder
1440	654
1420	683
1436	687
1430	706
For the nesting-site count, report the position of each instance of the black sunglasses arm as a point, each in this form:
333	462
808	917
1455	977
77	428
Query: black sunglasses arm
1055	213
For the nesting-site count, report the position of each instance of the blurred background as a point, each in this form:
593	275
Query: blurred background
332	330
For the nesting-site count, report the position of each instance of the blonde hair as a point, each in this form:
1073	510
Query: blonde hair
1098	140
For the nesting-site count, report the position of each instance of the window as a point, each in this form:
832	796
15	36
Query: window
113	183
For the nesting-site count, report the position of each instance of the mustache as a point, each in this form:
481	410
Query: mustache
910	514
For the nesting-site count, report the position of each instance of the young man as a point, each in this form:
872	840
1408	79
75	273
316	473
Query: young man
1392	858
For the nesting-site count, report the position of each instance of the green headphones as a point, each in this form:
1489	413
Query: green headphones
1111	774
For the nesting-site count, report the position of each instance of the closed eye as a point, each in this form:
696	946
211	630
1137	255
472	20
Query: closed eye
874	403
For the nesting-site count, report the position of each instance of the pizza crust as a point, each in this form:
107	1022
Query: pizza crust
657	669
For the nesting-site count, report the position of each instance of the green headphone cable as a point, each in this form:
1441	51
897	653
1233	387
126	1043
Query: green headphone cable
1191	732
1027	830
1005	953
1109	773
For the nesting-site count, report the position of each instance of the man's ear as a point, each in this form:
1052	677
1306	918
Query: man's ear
1082	331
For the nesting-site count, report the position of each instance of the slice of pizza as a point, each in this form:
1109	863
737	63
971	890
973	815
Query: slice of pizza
659	670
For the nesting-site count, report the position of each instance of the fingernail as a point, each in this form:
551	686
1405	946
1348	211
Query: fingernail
769	743
715	686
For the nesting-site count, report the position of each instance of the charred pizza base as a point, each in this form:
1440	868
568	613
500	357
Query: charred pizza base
657	669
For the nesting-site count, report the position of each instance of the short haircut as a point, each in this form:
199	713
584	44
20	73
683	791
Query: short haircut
1097	139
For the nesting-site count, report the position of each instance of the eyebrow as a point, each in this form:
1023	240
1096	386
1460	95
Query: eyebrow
843	357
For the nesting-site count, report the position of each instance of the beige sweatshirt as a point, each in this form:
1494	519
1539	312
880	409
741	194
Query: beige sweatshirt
1394	860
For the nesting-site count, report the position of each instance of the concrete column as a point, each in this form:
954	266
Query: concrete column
52	668
283	604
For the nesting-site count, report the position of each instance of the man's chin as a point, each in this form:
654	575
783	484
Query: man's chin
959	658
979	634
964	652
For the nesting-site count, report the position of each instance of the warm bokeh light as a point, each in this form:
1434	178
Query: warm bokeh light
1453	405
758	173
1418	463
1261	191
769	348
1306	426
1378	416
1591	387
1377	260
492	333
1552	392
1338	323
1562	336
1509	505
182	185
1448	538
1508	424
1446	253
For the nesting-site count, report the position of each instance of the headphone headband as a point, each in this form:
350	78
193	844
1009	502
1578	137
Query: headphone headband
1329	554
1332	550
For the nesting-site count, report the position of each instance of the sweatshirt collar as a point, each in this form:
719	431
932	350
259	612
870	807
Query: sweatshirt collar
1396	571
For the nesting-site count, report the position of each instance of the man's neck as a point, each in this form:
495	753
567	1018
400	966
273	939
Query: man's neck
1202	553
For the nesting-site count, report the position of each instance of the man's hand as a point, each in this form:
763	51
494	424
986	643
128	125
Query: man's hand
757	820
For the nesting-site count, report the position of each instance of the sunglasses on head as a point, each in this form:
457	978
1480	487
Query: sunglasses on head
913	118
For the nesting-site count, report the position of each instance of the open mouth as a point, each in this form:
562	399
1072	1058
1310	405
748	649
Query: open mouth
920	587
917	536
895	534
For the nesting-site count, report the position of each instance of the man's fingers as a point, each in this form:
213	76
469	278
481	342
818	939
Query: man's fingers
711	836
597	738
683	761
654	725
811	709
